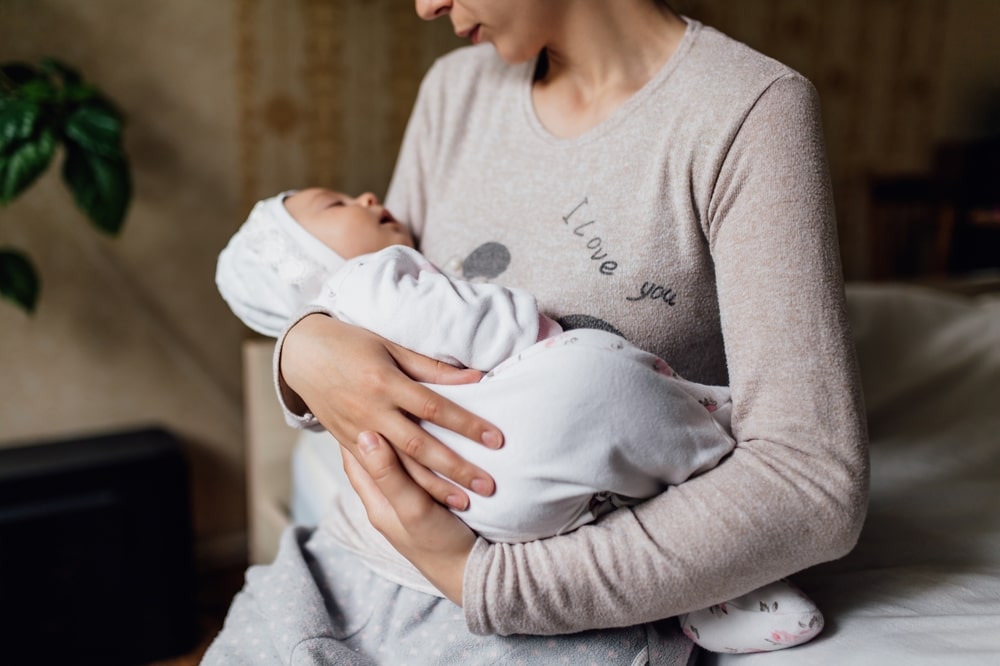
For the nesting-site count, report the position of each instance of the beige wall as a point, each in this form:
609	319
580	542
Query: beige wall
231	101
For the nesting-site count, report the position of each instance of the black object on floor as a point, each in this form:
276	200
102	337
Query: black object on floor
96	551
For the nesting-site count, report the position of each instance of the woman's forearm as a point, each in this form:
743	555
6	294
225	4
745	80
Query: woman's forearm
710	539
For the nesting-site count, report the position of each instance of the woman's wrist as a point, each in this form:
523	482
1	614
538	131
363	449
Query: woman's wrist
447	574
290	365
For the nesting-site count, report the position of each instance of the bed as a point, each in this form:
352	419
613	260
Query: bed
923	584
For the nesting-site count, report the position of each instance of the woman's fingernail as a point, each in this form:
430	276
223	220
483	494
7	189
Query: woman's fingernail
481	487
457	502
367	442
492	439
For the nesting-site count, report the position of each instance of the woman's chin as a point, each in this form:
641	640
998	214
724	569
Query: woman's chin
514	56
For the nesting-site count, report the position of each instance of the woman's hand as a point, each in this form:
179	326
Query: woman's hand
423	531
353	380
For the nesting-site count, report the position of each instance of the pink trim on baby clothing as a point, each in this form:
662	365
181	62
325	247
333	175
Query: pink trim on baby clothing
547	327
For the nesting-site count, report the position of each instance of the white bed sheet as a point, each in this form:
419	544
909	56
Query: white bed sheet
923	585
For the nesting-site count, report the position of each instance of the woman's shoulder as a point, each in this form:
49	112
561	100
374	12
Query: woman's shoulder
720	62
719	80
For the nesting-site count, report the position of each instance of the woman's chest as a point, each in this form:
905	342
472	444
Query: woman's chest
595	237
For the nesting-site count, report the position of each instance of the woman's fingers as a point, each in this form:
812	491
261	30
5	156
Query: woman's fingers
429	406
422	530
407	500
410	439
378	507
443	491
351	380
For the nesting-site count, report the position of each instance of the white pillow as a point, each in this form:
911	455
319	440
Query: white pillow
909	338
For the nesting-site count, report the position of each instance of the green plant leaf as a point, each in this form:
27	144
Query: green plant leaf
18	280
80	92
72	86
23	162
18	73
96	129
64	72
38	91
101	186
41	108
17	121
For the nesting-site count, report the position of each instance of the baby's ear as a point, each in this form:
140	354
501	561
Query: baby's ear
488	260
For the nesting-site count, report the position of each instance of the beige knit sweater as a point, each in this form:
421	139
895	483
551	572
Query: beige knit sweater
698	221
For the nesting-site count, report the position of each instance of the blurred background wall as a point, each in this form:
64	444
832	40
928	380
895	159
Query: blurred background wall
234	100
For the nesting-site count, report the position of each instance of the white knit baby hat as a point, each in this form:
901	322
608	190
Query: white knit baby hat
272	267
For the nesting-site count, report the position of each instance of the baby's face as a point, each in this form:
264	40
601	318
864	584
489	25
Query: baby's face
350	226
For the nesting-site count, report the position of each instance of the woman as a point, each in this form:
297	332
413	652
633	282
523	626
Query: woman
645	173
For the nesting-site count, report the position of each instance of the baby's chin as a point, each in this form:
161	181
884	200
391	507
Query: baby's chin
405	238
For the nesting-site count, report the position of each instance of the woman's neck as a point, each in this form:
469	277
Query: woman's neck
604	54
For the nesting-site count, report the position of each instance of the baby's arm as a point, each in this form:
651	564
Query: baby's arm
398	294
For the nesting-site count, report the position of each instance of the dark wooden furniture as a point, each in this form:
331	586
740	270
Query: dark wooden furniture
945	223
96	557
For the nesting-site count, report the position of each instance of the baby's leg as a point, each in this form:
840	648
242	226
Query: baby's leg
560	405
773	617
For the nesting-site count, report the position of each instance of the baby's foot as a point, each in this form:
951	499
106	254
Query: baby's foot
773	617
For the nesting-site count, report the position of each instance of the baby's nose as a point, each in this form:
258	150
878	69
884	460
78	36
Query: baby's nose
368	199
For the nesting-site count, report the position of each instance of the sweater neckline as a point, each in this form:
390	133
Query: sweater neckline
622	112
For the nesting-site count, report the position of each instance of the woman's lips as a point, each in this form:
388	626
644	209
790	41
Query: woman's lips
470	34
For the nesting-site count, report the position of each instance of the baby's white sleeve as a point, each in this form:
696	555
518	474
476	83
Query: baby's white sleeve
398	294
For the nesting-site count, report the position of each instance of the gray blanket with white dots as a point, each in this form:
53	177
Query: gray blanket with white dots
317	604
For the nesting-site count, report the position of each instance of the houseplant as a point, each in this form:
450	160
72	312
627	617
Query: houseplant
43	107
